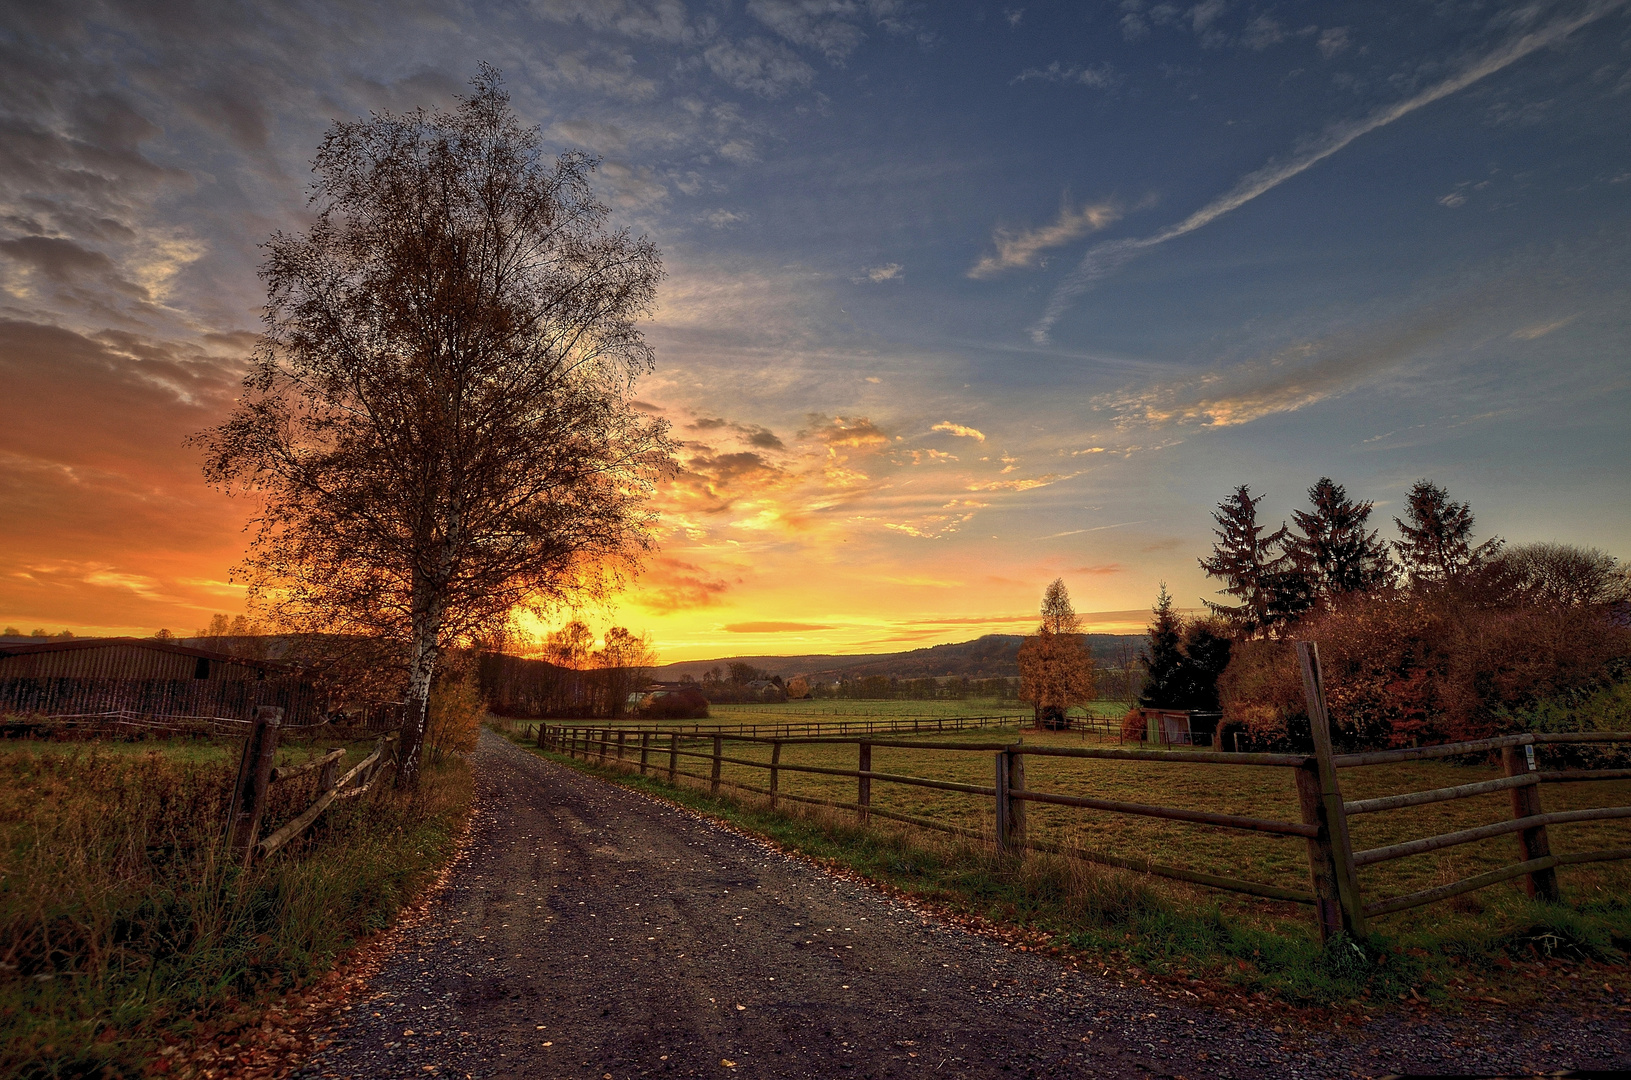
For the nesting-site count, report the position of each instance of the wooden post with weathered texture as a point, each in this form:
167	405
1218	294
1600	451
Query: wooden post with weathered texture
1322	872
1003	838
863	785
719	749
645	751
673	756
330	774
775	771
1016	807
1330	792
254	776
621	738
1532	843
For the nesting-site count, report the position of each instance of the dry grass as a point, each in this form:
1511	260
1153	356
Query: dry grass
123	918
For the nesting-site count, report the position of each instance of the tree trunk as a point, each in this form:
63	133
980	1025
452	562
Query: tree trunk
427	625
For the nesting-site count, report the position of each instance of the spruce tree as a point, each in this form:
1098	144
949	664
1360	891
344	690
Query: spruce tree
1333	549
1163	660
1253	567
1437	549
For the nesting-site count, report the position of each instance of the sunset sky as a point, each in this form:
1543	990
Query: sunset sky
961	297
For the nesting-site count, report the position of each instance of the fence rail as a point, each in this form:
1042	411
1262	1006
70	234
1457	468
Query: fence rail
256	775
1334	890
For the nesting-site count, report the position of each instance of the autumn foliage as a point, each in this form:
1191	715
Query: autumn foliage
1055	668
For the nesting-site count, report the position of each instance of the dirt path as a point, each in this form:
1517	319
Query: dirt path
595	933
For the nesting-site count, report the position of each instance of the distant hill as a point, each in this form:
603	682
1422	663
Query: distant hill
988	657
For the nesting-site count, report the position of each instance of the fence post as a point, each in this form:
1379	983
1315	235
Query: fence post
1016	807
713	779
621	736
1002	801
1532	843
540	735
1336	817
1322	872
254	776
775	771
863	786
673	755
645	750
330	774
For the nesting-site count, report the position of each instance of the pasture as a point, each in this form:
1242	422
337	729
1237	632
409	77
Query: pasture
1255	791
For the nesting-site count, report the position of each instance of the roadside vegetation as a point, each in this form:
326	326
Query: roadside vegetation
126	926
1221	947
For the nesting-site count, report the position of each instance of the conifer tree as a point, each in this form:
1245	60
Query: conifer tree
1162	658
1437	548
1254	568
1333	549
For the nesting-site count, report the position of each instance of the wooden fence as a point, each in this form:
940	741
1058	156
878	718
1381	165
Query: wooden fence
301	702
1334	894
814	728
256	774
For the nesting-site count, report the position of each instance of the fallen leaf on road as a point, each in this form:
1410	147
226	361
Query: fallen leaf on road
729	1064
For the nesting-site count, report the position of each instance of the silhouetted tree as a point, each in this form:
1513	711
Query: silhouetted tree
1254	569
1333	548
1564	575
1163	658
437	420
1437	548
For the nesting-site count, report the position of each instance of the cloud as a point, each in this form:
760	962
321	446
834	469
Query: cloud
1105	258
1017	249
960	430
670	585
1076	74
1262	32
821	25
856	432
879	274
1333	40
1540	330
1100	570
754	434
775	627
1292	379
758	66
722	219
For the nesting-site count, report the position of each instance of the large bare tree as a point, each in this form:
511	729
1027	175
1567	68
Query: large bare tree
437	418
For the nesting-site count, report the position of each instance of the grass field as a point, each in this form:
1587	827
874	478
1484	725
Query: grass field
1255	791
125	922
838	709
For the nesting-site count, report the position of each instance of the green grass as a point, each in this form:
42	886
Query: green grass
124	921
1175	928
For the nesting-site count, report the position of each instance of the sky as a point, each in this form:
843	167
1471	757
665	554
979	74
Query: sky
960	297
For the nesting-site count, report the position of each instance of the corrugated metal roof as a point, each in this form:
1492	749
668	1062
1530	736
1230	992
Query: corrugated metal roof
76	644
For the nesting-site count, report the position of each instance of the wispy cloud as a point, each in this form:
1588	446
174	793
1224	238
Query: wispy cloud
877	275
1291	379
1540	330
1104	259
1024	248
1099	76
959	429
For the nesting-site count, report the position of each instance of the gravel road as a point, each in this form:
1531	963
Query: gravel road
592	932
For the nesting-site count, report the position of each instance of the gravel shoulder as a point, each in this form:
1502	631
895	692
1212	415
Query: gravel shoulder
593	932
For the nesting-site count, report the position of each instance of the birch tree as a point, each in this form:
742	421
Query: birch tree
437	419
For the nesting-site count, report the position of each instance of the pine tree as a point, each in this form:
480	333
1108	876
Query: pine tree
1254	568
1333	548
1163	660
1437	549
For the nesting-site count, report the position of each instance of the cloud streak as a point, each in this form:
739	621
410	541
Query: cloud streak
1106	258
1020	249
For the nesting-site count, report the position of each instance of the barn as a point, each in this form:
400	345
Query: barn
146	678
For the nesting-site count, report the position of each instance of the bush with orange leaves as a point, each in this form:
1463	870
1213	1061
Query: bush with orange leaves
1404	671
